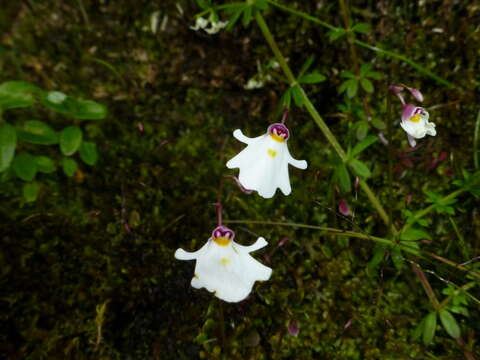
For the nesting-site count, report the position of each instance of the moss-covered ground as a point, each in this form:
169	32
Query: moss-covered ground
106	237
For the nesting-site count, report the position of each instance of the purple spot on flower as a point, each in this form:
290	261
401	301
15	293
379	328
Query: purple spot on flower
223	231
279	130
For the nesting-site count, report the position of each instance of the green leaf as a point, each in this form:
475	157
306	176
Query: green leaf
418	330
365	69
374	75
8	143
397	258
37	132
449	323
360	168
413	234
70	140
312	78
377	258
347	75
235	15
17	94
261	4
297	95
204	4
362	145
88	153
366	85
429	327
45	164
336	34
89	110
362	129
30	191
379	124
352	88
25	166
247	16
78	108
69	166
306	65
341	173
363	28
287	98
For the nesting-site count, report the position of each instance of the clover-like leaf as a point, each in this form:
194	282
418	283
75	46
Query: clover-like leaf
37	132
70	140
88	153
25	166
69	166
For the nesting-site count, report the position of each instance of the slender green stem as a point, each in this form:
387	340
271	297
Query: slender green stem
428	209
352	234
278	54
377	49
332	231
315	115
376	204
84	13
475	141
463	247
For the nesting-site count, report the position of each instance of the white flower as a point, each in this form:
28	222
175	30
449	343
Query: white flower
253	83
264	162
215	26
225	267
200	23
415	123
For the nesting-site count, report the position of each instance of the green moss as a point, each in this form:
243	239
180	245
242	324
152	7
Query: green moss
107	236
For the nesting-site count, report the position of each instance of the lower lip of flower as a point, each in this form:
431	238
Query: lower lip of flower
222	241
277	138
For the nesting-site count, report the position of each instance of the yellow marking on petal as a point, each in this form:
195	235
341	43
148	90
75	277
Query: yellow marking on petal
272	153
415	118
224	261
195	276
277	138
222	241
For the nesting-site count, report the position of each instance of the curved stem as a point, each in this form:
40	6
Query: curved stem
317	118
353	234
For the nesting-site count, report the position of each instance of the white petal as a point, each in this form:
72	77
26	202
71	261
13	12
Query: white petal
260	243
431	129
417	130
181	254
238	134
283	180
300	164
228	272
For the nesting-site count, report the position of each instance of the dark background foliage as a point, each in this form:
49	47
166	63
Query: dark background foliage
107	235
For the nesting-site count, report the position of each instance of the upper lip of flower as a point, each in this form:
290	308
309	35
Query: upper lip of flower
278	132
223	232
